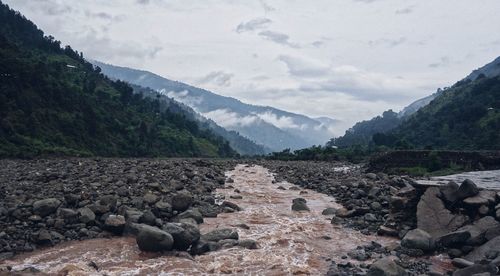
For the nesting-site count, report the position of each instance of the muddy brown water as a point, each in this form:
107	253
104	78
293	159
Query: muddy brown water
289	242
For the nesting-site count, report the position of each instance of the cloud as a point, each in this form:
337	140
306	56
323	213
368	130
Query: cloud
99	15
254	24
279	121
303	68
279	38
183	97
266	7
387	42
228	119
365	1
219	78
142	2
444	61
406	10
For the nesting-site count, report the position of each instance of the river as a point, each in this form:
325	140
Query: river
289	242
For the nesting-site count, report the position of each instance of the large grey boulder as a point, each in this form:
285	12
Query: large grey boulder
454	239
477	269
386	267
484	197
221	234
191	214
86	215
153	239
299	204
184	234
480	252
449	191
418	239
433	217
479	228
182	201
46	206
466	189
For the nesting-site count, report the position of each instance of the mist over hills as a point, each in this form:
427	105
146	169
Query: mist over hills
271	127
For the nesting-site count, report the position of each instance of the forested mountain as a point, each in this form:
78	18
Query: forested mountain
464	117
239	143
361	133
275	129
370	131
54	102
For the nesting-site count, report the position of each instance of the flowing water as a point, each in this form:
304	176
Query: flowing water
483	179
289	242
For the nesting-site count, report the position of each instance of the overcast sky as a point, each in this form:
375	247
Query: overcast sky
346	59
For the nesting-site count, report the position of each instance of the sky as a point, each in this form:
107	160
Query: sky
345	59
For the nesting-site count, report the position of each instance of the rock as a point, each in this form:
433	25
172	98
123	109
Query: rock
387	231
329	211
191	214
484	197
182	201
480	252
418	239
153	239
386	267
150	198
461	263
476	269
133	215
299	204
483	210
449	191
371	176
370	217
453	239
44	237
231	205
466	189
163	206
248	244
478	229
115	224
184	234
46	206
148	218
235	196
67	214
221	234
433	217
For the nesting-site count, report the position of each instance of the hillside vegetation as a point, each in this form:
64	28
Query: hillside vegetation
54	102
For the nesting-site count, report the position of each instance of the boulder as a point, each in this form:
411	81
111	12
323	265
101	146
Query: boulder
191	214
480	252
418	239
449	191
231	205
86	215
153	239
148	218
461	263
299	204
248	244
67	214
46	206
466	189
433	217
479	228
220	234
476	269
484	197
182	201
386	267
329	211
184	234
150	198
115	224
453	239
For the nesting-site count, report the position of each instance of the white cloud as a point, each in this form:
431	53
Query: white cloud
220	78
254	24
229	119
282	122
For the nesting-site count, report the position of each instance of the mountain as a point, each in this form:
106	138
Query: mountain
275	129
363	132
239	143
52	101
491	69
464	117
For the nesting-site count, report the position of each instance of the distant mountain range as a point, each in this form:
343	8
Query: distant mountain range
273	128
362	133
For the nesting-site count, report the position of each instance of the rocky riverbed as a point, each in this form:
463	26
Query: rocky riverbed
161	203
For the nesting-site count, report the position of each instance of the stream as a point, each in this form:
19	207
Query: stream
289	242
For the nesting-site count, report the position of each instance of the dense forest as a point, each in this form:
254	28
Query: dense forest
464	117
52	101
